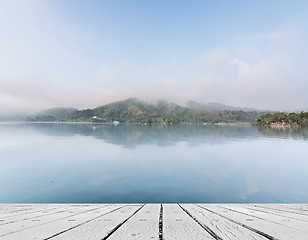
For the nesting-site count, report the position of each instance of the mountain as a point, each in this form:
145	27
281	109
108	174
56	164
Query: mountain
53	114
216	106
135	111
132	110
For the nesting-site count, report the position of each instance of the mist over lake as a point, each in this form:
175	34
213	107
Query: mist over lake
87	163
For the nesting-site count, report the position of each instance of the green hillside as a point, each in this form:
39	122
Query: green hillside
136	111
284	119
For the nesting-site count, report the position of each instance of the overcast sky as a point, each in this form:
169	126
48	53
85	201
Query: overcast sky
88	53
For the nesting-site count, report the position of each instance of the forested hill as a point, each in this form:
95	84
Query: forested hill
136	111
284	120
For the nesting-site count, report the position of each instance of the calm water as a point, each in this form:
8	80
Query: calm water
50	163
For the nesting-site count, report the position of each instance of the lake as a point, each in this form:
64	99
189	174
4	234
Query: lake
84	163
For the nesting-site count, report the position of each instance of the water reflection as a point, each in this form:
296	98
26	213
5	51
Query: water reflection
295	133
138	163
133	134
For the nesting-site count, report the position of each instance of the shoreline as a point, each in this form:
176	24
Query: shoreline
282	126
130	123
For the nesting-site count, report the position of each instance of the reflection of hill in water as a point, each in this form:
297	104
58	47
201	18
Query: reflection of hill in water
296	133
130	135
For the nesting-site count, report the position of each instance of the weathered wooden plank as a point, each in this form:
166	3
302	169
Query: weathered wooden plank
17	211
13	208
100	227
185	221
52	224
38	214
29	222
18	207
277	212
264	227
143	225
178	225
221	227
300	207
293	223
283	208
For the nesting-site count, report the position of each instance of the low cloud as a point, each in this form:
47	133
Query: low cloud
225	78
272	77
274	80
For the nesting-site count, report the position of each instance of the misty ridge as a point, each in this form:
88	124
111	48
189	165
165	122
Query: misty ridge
133	110
61	113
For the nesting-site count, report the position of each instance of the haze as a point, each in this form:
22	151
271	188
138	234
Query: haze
85	54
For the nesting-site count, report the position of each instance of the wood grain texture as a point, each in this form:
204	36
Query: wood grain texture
178	225
34	215
266	227
51	225
16	211
270	216
284	208
143	225
222	227
151	221
100	227
278	212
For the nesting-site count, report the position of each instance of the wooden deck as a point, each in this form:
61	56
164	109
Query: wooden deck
153	221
